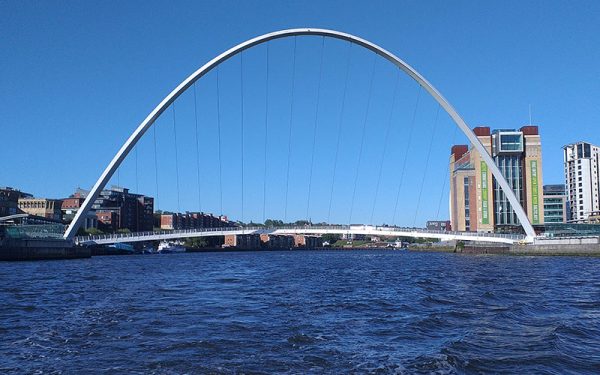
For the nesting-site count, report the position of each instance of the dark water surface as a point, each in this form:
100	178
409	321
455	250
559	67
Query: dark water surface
301	312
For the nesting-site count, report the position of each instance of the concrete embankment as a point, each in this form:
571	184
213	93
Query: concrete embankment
584	246
41	249
580	246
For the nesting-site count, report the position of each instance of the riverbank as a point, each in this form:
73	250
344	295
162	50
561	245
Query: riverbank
547	247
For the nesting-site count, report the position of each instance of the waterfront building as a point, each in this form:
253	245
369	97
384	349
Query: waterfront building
116	208
477	203
242	241
192	220
108	220
9	200
70	206
308	242
276	241
43	207
556	205
582	179
442	225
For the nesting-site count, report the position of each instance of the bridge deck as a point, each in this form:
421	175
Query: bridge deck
309	230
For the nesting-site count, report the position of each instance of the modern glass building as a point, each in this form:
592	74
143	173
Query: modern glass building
507	151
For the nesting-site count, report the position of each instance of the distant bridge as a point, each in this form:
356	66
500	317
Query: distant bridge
367	230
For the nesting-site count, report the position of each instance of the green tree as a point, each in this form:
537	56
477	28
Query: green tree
93	231
196	242
331	238
273	223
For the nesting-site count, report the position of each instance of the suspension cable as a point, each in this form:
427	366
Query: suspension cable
242	124
266	138
155	166
437	114
197	151
219	136
339	129
410	132
287	178
362	138
176	158
137	190
385	144
312	158
137	206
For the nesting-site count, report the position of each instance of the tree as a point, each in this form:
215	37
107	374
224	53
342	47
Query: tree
196	242
93	231
331	238
273	223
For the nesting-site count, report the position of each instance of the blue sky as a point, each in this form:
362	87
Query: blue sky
77	77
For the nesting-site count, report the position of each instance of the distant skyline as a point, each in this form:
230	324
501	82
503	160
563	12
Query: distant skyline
80	76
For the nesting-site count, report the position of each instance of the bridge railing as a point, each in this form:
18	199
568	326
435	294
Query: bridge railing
152	233
348	228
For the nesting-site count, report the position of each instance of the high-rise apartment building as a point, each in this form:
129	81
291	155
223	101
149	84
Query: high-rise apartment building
582	179
477	203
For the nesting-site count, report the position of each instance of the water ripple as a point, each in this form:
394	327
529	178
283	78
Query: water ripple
376	312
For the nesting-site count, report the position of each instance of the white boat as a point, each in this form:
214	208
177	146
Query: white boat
166	247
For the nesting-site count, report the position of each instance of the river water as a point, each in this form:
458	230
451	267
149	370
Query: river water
301	312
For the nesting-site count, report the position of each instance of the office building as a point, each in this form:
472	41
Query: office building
582	179
477	203
556	206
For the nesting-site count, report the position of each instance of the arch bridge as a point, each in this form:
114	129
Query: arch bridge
148	122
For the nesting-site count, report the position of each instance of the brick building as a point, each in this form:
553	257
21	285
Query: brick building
70	206
242	241
116	208
275	241
309	242
192	220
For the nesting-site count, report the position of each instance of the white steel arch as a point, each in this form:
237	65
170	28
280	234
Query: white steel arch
164	104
